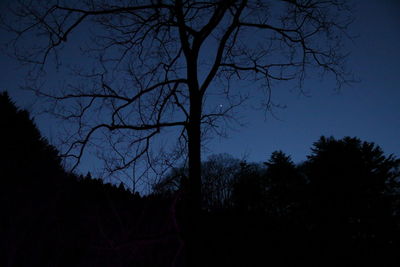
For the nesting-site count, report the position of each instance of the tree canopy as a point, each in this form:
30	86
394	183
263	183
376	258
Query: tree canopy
187	65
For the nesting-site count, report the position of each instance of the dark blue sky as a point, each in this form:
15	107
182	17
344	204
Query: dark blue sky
369	109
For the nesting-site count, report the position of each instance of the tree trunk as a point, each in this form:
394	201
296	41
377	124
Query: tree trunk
194	145
194	186
193	201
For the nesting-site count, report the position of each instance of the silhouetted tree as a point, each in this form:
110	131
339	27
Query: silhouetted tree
250	189
24	151
159	60
218	175
350	192
171	182
285	184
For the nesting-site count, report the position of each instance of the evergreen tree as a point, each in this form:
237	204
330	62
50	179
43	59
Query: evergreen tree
350	198
249	189
285	184
24	152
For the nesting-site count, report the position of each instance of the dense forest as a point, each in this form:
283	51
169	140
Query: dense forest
339	207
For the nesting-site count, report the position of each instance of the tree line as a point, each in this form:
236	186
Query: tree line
340	206
349	169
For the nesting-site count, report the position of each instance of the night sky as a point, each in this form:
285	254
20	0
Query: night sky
368	109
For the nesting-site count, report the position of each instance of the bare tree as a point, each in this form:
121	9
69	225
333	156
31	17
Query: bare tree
218	175
217	178
160	64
